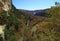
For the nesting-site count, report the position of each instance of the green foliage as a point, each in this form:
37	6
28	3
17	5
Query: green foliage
18	26
57	4
48	30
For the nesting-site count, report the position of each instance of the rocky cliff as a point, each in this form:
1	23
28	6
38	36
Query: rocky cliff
5	5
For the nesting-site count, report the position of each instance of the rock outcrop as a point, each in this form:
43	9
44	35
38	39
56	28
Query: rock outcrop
5	5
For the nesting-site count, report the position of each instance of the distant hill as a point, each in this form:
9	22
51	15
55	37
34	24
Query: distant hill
35	16
35	12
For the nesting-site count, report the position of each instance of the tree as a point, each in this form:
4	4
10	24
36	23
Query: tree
57	3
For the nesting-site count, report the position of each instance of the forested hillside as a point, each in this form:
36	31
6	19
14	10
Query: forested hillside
25	27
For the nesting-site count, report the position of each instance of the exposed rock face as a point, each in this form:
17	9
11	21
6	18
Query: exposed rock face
5	5
2	27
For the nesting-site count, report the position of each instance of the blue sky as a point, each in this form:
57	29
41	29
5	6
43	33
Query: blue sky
34	4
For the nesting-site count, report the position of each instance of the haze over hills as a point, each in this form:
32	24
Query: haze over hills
35	12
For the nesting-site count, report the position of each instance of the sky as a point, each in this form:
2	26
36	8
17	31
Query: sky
33	4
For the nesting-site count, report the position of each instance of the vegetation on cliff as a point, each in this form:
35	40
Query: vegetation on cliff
20	26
